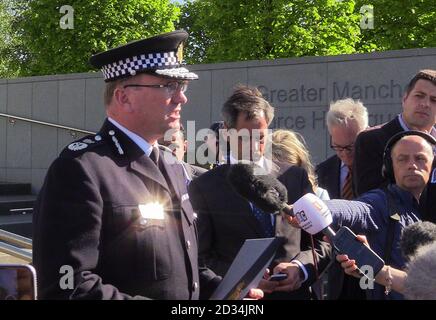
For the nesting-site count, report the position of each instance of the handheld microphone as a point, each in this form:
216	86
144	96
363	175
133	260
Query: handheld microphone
253	183
270	195
312	214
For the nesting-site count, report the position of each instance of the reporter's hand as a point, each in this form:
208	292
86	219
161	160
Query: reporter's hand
267	286
291	220
293	280
363	239
349	265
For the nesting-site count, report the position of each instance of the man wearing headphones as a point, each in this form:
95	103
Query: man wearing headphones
419	113
381	214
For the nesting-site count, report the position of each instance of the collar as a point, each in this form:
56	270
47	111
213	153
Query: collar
406	128
343	165
140	142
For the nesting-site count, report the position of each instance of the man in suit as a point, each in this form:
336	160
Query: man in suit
419	113
226	220
345	120
113	219
216	145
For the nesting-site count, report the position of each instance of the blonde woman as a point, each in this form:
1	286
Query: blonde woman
289	147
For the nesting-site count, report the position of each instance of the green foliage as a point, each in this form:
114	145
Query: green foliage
33	43
10	42
266	29
98	26
402	24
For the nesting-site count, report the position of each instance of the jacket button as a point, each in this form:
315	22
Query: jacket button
194	286
188	244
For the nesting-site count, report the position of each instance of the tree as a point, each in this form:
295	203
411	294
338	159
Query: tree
10	43
97	25
402	24
266	29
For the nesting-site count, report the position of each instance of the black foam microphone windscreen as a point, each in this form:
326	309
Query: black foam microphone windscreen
257	186
417	235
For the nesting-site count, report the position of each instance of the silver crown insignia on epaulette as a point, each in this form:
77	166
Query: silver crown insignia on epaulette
117	143
88	141
76	146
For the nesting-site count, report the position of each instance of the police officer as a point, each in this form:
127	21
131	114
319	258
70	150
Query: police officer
113	219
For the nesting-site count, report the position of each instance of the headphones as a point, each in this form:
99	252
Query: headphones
387	169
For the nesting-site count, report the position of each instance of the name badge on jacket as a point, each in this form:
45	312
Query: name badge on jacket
152	210
185	197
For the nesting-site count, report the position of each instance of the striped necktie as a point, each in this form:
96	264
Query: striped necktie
347	189
265	221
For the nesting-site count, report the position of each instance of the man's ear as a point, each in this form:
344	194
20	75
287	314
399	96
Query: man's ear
405	95
185	146
122	99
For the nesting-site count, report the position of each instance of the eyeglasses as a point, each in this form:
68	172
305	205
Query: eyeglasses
171	87
348	148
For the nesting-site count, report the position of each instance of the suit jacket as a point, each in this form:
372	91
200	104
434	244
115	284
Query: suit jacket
368	157
368	162
427	202
226	220
88	217
193	171
329	176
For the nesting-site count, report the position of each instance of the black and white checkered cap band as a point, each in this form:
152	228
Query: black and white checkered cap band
132	65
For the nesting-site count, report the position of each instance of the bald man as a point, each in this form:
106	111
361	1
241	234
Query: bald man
381	214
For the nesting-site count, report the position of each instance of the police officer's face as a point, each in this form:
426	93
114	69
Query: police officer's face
412	159
419	106
153	111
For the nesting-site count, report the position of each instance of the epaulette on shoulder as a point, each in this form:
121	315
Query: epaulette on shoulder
82	145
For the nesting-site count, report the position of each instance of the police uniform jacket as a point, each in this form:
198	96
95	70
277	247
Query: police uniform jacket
88	217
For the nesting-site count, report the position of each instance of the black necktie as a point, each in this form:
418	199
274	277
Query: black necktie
154	155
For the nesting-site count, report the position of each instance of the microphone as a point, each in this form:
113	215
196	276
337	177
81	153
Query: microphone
415	236
420	283
254	184
312	214
267	193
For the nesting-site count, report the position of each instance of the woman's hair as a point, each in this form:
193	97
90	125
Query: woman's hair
289	147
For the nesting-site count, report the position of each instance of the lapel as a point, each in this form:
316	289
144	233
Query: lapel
134	158
336	178
138	162
392	127
177	179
